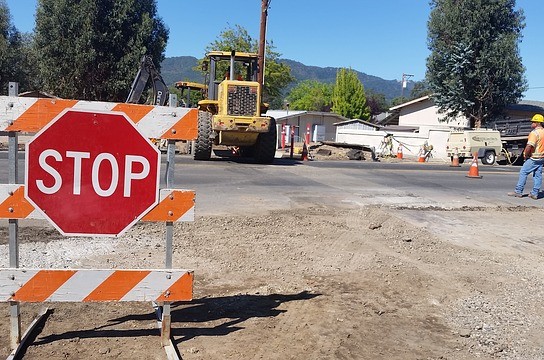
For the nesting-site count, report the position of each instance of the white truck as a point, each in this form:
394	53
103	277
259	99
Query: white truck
487	144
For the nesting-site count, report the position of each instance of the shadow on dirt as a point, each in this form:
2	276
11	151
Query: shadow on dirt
31	336
234	310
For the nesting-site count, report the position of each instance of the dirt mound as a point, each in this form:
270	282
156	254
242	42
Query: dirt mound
337	152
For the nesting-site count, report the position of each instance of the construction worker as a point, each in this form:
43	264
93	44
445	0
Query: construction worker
534	159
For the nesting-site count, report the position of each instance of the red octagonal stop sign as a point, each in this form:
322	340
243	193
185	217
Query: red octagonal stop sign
92	173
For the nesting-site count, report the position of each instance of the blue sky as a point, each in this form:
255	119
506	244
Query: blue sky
385	38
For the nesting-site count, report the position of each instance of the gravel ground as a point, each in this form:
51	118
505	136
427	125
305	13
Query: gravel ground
360	283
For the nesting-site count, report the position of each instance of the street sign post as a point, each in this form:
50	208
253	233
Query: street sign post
92	173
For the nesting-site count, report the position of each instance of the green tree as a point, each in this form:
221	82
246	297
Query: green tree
194	96
348	96
399	100
310	95
15	58
91	49
474	68
276	75
420	89
234	38
376	102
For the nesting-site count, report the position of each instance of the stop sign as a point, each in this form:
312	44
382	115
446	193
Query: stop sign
92	173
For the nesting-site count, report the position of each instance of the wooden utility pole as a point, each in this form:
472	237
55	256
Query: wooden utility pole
262	39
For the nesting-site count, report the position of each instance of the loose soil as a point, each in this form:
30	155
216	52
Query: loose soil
325	283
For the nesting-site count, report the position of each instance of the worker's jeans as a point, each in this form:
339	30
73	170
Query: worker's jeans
530	166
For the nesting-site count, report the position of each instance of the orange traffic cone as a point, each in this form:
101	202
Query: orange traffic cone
304	153
473	171
421	155
455	159
399	152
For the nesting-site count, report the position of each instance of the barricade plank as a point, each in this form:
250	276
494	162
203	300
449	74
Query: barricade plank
95	285
39	114
13	204
158	122
176	205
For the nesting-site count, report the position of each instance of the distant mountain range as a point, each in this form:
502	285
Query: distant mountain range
181	68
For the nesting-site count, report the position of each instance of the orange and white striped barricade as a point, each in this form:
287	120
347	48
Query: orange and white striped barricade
175	205
13	204
94	285
30	115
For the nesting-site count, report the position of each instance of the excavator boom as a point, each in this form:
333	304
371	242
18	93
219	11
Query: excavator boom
147	70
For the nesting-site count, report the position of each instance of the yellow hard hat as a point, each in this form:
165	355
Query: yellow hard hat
537	118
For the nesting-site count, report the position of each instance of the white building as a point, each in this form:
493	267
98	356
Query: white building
418	124
320	124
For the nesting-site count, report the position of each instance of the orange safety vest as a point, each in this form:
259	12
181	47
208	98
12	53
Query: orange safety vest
536	140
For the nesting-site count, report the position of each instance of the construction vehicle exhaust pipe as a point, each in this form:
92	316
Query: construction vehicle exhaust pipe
232	56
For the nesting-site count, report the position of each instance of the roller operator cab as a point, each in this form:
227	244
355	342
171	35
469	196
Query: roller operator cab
233	109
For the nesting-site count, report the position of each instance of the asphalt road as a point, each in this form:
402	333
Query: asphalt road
225	186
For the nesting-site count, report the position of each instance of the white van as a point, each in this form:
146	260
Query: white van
486	143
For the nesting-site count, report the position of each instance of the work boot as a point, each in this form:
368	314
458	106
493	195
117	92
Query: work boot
515	194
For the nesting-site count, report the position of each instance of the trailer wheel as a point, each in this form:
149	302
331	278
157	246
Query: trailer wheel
489	158
265	148
203	144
